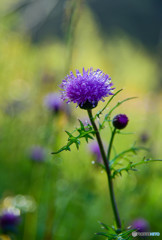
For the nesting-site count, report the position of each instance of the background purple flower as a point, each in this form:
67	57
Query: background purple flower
53	102
95	151
89	87
144	137
141	225
9	220
37	154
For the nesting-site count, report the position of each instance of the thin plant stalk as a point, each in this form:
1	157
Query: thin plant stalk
72	20
110	145
107	167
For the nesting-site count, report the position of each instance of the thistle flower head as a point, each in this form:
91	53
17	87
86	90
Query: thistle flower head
53	102
37	154
9	221
141	225
95	151
86	89
120	121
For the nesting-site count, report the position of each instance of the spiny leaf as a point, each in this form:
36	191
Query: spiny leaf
108	228
110	236
81	125
87	137
83	133
101	111
101	165
100	126
129	150
69	134
77	143
104	225
127	232
145	161
131	166
111	233
65	148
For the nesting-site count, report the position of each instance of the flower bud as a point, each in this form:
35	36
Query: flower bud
120	121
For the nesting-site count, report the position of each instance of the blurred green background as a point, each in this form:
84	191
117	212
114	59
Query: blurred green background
65	196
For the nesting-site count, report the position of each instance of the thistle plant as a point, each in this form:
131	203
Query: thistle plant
37	154
53	102
9	221
86	89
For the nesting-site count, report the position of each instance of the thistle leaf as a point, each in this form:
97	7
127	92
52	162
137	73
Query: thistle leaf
81	125
69	134
77	143
101	165
65	148
83	133
132	150
102	234
131	166
101	111
112	233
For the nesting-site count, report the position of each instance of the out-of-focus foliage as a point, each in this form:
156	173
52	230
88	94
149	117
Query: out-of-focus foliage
67	194
139	19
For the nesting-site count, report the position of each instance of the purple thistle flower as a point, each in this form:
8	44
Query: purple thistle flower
86	89
95	151
53	102
9	220
37	154
120	121
144	137
141	225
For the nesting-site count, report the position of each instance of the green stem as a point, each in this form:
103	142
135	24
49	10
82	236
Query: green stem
107	167
110	145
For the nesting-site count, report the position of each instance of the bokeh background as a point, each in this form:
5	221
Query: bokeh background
64	196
